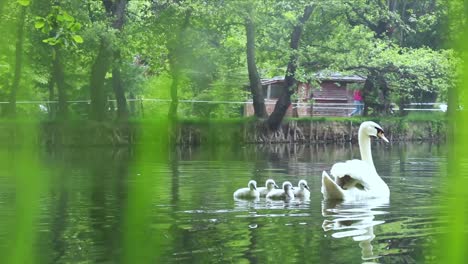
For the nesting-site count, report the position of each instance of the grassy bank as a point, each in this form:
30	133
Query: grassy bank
236	131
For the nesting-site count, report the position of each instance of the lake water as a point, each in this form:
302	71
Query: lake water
107	205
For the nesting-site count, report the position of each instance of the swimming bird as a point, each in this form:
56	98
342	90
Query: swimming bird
302	190
269	185
357	179
286	193
248	193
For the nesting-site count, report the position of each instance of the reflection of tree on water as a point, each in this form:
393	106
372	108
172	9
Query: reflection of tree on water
356	220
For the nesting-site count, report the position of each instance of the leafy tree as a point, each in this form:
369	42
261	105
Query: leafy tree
355	39
61	32
10	110
211	50
254	77
115	10
284	101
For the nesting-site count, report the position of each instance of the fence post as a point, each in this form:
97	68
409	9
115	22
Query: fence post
141	108
350	131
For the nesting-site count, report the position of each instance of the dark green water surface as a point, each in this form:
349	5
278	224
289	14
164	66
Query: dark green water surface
110	205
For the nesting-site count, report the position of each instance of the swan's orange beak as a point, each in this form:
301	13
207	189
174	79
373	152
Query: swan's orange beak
381	135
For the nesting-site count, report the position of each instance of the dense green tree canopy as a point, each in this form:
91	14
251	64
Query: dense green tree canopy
186	50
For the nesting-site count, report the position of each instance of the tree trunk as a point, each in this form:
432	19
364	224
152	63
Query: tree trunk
283	103
453	102
132	103
98	74
174	98
11	107
366	91
51	106
117	9
381	28
403	18
403	100
385	99
58	76
254	78
376	95
175	57
295	108
117	85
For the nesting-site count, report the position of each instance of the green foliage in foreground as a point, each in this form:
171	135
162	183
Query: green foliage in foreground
29	190
453	247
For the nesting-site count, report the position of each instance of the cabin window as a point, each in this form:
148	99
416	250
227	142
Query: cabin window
272	91
265	91
275	90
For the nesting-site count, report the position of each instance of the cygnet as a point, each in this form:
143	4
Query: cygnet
269	185
302	191
287	193
248	193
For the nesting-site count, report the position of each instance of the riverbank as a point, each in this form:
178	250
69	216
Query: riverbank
311	130
199	132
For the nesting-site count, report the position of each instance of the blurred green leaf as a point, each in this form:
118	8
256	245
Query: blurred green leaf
39	24
75	27
50	41
77	38
24	2
67	17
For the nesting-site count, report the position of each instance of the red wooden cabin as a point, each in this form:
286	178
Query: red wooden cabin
328	96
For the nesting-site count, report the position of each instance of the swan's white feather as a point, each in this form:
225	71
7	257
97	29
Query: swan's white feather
278	194
356	169
361	182
330	189
286	193
248	193
263	191
301	191
269	186
357	179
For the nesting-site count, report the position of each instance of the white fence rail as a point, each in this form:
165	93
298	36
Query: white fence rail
429	107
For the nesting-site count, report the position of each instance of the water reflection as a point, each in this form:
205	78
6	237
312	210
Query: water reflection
115	205
356	220
246	202
264	203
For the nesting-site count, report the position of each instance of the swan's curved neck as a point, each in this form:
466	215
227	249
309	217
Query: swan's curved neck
365	147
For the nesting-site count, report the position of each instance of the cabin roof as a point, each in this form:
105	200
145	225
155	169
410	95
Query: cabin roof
334	77
275	79
338	77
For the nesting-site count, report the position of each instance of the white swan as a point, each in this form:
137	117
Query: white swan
286	193
357	179
302	191
248	193
269	185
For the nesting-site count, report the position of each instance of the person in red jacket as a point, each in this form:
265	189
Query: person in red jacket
357	96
